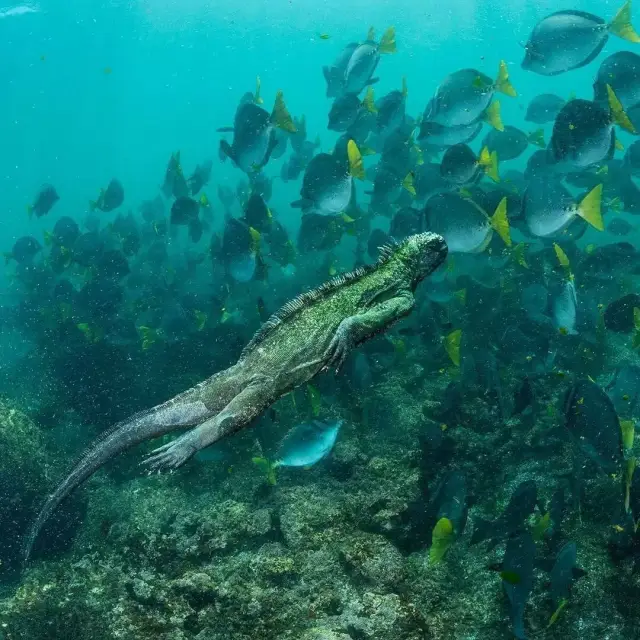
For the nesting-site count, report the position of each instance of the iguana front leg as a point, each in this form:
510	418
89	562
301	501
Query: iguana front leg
358	328
247	405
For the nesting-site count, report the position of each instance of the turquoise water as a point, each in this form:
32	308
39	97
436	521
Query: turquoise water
513	380
179	68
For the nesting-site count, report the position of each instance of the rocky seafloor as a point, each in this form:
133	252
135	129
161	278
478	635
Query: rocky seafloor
213	552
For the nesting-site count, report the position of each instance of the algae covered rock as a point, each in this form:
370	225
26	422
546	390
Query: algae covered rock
23	481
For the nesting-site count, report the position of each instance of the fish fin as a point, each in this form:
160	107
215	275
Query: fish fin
617	111
30	211
489	162
589	208
492	116
407	184
441	539
257	99
225	130
48	238
225	151
301	204
628	429
617	145
500	222
405	91
388	41
373	81
368	151
280	116
356	166
537	137
369	102
503	85
452	342
621	24
371	34
268	467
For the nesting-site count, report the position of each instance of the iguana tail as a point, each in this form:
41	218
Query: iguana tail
182	411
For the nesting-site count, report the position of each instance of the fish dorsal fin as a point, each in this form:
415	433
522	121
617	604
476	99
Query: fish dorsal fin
280	115
304	300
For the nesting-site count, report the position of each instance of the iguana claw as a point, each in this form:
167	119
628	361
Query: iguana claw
170	456
339	347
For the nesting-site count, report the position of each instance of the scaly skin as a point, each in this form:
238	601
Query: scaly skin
308	335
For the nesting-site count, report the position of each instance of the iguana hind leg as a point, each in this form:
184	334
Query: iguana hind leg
245	407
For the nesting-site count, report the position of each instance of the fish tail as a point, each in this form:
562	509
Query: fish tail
500	222
589	208
503	84
268	467
388	41
407	184
489	162
621	24
280	116
537	137
257	98
492	116
369	102
618	113
356	165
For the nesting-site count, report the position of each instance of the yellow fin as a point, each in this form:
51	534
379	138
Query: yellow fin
368	151
563	259
500	222
407	183
556	614
492	116
589	208
405	90
267	467
452	345
371	34
630	467
441	539
148	336
628	429
388	41
603	171
356	166
314	400
461	296
280	116
489	162
540	527
369	102
537	137
201	319
621	24
257	98
502	81
618	113
255	240
618	145
519	254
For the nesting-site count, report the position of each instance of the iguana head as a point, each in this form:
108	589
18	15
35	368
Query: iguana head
423	253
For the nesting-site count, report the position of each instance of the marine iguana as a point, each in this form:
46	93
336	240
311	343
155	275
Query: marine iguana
311	333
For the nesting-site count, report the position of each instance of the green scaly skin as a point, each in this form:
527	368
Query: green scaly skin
310	334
